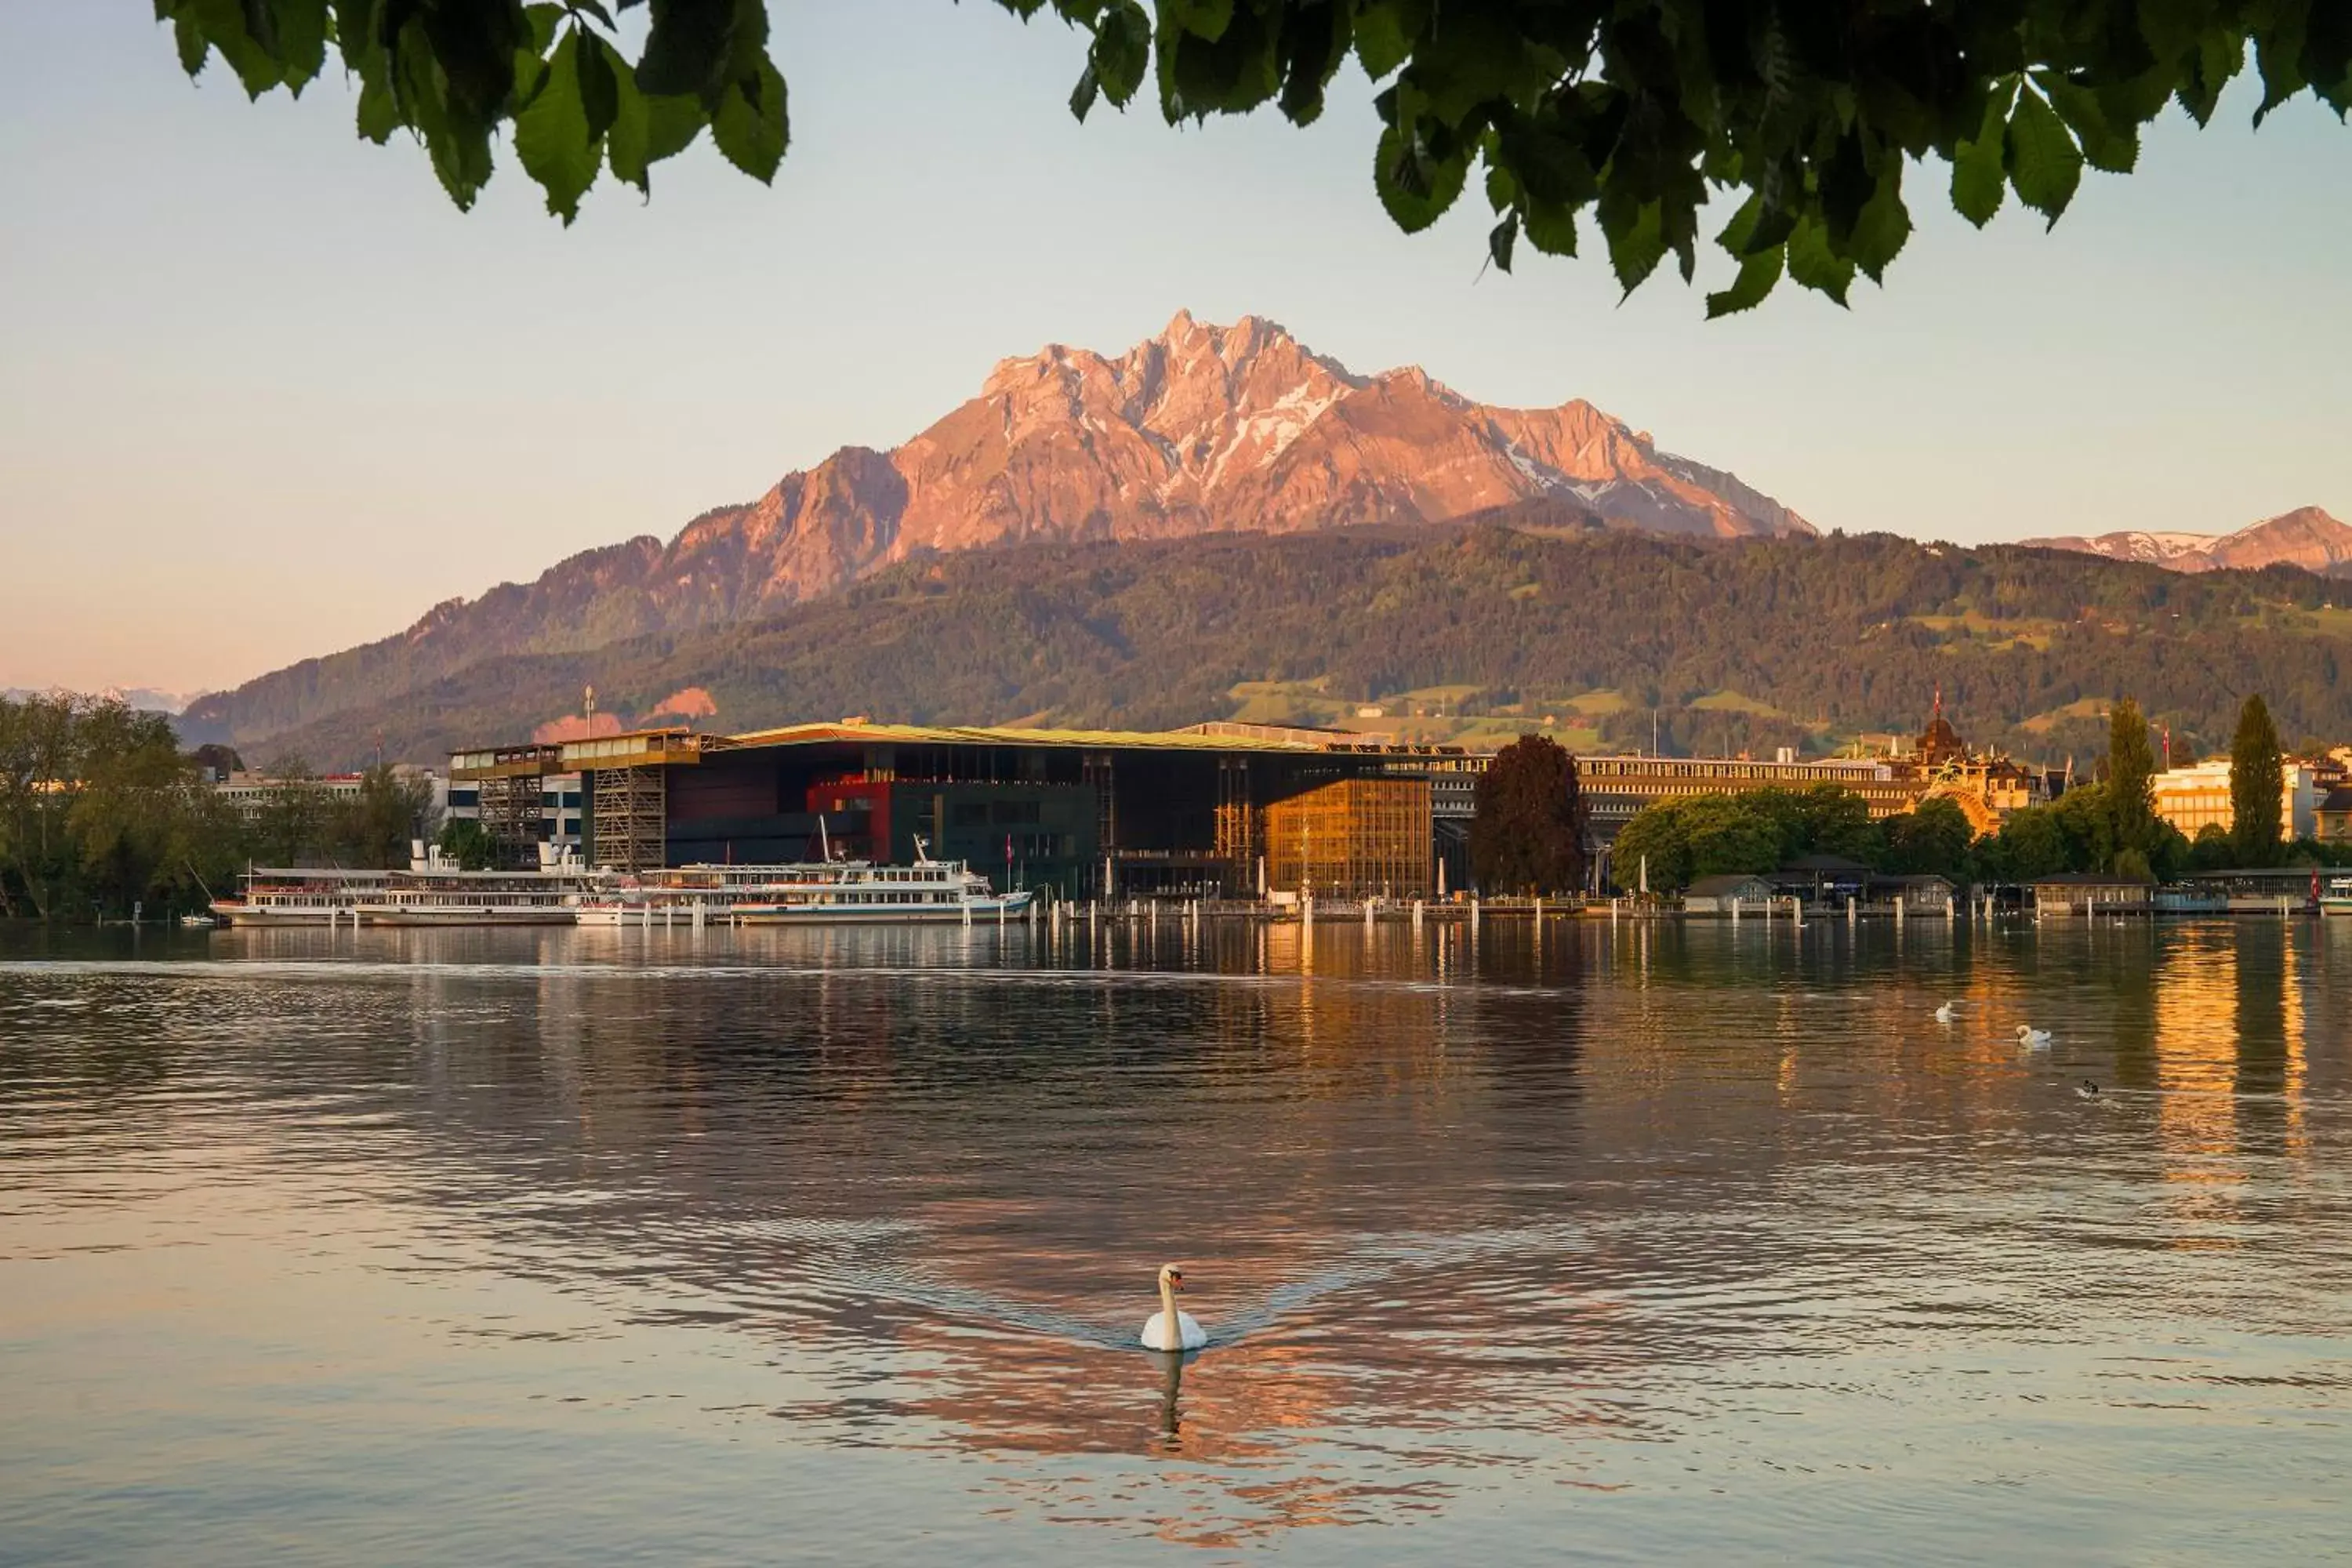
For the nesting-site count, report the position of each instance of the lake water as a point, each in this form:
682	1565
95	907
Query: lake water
1635	1244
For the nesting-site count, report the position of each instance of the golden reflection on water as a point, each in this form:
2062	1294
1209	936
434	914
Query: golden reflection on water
1494	1214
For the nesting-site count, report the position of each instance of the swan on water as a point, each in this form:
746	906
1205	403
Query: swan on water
1946	1014
1167	1329
2028	1035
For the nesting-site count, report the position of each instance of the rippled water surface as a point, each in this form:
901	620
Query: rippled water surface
1630	1245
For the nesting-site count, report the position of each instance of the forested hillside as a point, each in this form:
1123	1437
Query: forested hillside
1748	643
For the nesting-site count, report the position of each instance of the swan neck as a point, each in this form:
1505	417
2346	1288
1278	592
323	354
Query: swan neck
1167	1305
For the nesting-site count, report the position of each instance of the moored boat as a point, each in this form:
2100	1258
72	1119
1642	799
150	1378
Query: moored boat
806	893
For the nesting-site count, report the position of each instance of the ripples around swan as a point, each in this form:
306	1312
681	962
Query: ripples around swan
1621	1244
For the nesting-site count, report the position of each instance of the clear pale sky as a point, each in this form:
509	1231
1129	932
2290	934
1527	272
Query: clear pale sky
264	394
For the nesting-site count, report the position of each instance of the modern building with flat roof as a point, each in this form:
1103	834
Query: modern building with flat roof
1087	813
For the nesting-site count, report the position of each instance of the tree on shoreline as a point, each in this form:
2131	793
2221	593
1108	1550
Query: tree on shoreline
2257	786
1631	116
2131	788
1529	833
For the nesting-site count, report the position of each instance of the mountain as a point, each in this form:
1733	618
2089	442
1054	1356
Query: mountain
2305	537
1801	642
1202	429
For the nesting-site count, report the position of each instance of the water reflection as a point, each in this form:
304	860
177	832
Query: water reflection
1474	1215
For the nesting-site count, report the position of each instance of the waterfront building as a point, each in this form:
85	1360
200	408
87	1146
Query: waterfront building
1937	764
249	792
2332	819
1725	894
1087	813
1352	838
2092	893
2197	797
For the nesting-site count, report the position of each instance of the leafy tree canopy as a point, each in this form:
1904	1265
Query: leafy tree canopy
1527	835
2257	785
1630	114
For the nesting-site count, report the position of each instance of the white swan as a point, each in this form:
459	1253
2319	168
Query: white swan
1946	1014
1167	1329
2031	1037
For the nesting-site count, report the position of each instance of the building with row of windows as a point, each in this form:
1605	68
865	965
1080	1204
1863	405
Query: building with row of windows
2197	797
1219	810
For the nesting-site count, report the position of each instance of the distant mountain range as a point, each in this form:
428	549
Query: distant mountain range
1458	631
1202	429
2305	537
1200	433
146	699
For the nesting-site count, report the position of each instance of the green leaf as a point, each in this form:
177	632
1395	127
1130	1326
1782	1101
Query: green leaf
600	87
1736	235
1121	51
750	125
1979	182
688	46
1637	243
1382	42
1083	96
1414	187
1204	19
379	107
1758	274
190	41
551	137
2104	146
301	43
1500	240
1813	265
2044	164
1882	226
542	21
1550	225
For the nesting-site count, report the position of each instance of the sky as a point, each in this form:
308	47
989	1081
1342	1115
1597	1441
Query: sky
266	393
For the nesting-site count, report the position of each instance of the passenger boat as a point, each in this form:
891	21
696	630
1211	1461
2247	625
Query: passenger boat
2336	897
433	891
806	893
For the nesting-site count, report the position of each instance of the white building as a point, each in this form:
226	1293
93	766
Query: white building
2197	797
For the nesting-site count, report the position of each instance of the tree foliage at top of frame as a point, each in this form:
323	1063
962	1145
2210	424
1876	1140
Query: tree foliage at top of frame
1631	113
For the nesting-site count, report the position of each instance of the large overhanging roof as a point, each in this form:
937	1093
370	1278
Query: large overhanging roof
983	735
640	748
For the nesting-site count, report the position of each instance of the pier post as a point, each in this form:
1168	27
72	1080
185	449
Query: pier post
1900	901
1849	909
1416	914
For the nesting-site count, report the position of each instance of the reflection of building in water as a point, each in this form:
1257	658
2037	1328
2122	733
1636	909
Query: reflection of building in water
2229	1047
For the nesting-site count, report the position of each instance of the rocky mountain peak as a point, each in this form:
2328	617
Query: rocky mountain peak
1200	428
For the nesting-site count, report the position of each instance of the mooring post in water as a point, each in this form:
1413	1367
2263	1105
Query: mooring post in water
1849	909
